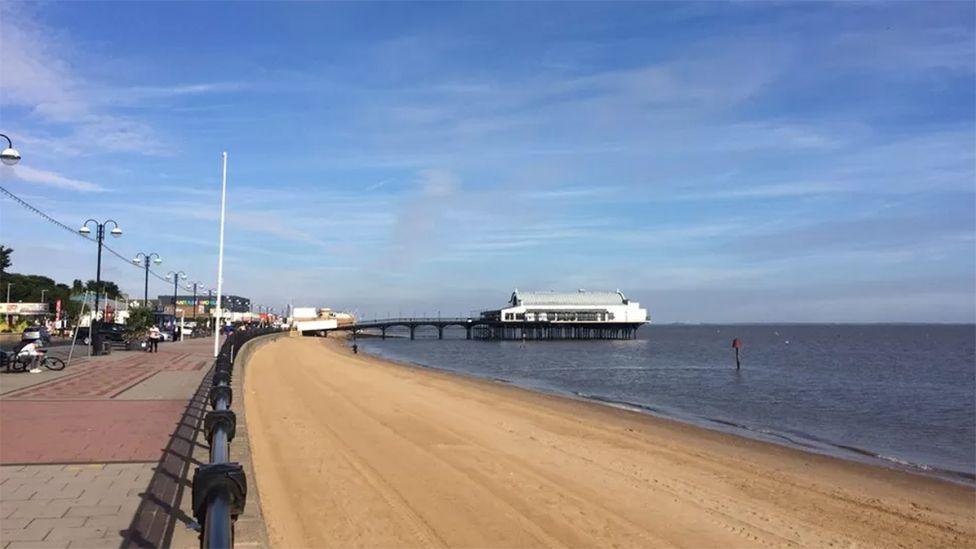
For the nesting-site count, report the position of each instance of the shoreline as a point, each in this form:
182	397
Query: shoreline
834	450
356	450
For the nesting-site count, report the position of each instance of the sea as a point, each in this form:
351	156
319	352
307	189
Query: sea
897	395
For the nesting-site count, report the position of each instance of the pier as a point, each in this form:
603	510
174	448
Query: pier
490	329
532	316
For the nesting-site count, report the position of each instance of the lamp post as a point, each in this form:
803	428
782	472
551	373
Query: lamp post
210	292
145	260
9	317
9	156
176	276
195	284
100	238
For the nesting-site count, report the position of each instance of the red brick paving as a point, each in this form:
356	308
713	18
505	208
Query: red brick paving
107	379
74	419
97	465
76	431
106	382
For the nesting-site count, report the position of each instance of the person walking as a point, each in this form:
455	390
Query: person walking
154	336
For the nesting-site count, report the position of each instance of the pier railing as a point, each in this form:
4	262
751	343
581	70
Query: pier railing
220	487
365	323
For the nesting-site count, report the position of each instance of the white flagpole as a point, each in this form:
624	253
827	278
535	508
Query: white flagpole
220	259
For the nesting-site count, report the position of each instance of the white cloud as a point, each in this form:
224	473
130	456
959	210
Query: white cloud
39	74
53	179
441	183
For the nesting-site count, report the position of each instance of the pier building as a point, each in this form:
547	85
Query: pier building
564	315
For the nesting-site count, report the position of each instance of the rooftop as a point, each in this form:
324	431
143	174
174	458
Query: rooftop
580	297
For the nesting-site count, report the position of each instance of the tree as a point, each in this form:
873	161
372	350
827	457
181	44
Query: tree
107	288
139	321
5	261
77	287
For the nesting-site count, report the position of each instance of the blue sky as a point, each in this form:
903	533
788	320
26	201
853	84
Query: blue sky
739	162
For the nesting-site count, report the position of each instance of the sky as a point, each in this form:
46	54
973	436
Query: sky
745	162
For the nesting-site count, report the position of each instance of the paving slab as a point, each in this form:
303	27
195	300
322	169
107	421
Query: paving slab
165	385
15	381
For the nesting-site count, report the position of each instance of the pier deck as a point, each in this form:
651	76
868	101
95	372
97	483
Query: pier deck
486	329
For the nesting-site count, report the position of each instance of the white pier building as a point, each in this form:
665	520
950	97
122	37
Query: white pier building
565	315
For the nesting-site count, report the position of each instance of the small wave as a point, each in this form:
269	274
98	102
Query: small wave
905	462
765	432
594	368
949	473
617	402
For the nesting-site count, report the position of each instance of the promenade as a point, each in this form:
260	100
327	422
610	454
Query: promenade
100	454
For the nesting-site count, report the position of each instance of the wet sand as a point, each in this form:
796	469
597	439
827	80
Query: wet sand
353	451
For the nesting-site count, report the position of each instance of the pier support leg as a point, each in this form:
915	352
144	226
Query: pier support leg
467	332
440	332
383	333
412	328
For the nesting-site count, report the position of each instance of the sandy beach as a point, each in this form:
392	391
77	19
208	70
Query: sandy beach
353	451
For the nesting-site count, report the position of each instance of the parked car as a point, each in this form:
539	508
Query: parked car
110	332
33	333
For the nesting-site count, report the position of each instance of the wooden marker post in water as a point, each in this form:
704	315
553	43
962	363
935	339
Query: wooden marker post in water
736	344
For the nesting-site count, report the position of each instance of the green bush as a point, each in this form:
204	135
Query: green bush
16	327
139	321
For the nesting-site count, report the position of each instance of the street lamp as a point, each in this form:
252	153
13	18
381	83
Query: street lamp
9	317
145	260
195	284
210	292
100	238
9	156
176	281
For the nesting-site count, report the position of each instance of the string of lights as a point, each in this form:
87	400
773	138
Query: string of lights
30	207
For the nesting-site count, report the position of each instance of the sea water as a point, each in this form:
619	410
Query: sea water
901	395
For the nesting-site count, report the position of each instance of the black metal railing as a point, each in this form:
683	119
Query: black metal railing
220	487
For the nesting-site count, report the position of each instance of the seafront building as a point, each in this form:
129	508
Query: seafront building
200	305
564	315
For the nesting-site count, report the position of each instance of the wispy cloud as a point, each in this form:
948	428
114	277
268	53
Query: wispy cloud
83	115
53	179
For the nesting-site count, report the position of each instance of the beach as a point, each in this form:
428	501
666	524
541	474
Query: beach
351	450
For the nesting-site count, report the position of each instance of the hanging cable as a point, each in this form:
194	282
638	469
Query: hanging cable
26	205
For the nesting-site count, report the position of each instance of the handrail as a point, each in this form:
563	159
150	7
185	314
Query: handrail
451	319
220	487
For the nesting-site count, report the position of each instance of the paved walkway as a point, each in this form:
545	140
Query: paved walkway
99	455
